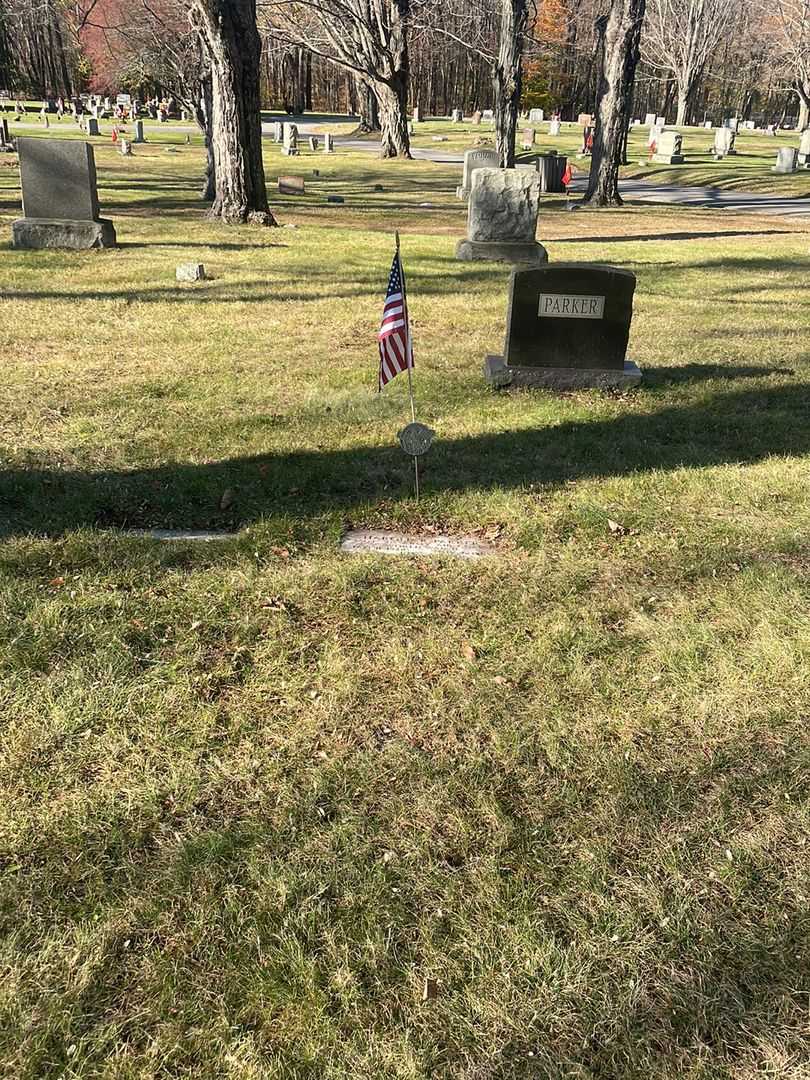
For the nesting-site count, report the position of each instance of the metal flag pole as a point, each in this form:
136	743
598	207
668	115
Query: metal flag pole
410	360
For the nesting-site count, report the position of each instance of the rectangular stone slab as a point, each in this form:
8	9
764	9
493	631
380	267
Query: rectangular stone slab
504	204
569	315
58	179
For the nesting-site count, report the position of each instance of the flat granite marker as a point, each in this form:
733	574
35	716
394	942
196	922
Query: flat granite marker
567	327
384	542
502	218
60	197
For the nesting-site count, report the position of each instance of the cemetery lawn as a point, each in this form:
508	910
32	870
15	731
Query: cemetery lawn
269	811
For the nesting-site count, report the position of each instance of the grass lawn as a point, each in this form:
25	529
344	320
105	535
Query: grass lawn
257	795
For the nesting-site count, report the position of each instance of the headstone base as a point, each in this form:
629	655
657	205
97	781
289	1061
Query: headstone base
668	159
499	375
463	193
37	233
530	253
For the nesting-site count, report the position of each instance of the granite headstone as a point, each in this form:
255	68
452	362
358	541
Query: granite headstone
502	217
475	159
567	326
60	197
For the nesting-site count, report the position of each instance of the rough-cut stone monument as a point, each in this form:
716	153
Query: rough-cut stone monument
567	326
60	197
475	159
668	148
502	217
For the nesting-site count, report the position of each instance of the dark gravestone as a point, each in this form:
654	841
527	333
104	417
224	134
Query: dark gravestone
59	196
567	326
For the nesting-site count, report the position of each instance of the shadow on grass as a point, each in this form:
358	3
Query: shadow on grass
625	239
743	427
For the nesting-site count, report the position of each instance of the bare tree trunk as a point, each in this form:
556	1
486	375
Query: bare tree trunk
392	98
507	78
803	90
203	115
367	106
622	35
233	51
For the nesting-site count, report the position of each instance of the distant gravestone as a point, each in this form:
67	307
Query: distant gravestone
536	116
804	150
92	125
475	159
457	116
528	138
313	142
554	127
650	119
708	125
60	197
278	131
724	140
328	144
567	326
661	121
139	137
668	148
416	117
487	114
585	120
786	158
125	147
502	217
476	117
188	272
290	147
291	185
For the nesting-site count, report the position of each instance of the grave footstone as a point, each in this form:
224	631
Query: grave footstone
502	217
291	185
786	157
191	271
475	159
567	326
668	148
60	197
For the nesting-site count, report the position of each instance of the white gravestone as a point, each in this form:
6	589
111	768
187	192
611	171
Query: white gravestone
475	159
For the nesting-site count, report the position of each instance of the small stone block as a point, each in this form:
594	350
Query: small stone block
190	272
335	199
384	542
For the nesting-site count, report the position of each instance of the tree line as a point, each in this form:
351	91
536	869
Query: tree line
380	59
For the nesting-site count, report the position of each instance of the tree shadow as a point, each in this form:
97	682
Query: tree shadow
743	427
625	238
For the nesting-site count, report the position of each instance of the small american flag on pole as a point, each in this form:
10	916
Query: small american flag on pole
394	337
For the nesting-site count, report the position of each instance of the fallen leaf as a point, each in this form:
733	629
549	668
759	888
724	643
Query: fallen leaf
616	528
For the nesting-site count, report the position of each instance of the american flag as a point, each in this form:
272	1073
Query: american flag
394	338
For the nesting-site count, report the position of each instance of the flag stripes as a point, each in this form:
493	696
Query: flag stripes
394	337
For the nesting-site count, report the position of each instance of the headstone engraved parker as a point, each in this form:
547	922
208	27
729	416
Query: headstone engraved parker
567	327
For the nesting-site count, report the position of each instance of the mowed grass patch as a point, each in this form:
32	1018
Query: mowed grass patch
257	795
